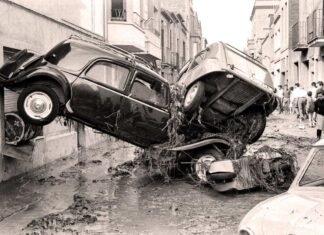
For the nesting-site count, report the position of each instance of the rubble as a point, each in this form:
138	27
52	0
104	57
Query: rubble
273	169
81	211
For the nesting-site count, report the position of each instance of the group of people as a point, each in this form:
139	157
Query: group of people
305	104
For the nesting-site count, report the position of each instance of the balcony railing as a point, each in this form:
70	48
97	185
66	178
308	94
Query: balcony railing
315	26
299	38
118	14
138	19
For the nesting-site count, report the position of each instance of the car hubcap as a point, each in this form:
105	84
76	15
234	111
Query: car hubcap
38	105
203	165
191	95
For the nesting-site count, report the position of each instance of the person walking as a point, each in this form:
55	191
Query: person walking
319	109
310	109
313	89
280	96
301	95
286	99
293	100
319	89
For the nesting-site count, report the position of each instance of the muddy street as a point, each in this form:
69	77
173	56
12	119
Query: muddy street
84	194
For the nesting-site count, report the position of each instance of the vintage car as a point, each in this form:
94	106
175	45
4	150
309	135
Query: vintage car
120	94
298	211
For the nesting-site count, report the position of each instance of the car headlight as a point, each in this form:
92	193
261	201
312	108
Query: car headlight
246	231
191	94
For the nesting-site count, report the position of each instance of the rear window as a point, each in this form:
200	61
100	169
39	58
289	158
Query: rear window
71	56
198	59
244	63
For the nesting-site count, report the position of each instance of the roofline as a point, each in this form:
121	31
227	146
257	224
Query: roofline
274	5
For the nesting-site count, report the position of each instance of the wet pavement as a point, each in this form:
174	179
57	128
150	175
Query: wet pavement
79	195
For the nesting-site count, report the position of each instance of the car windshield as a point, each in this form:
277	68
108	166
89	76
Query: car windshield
71	56
314	175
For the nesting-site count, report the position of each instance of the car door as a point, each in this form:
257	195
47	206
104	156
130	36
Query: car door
144	112
97	94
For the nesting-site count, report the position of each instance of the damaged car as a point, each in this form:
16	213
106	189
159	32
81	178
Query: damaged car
300	210
226	95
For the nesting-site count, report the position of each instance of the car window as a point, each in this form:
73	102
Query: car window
314	175
149	90
184	68
70	56
245	64
110	74
198	58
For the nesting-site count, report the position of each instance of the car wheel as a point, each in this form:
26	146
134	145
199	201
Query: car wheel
256	123
38	105
193	97
203	160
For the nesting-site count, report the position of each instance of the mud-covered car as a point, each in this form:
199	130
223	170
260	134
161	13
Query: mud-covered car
300	210
226	84
117	93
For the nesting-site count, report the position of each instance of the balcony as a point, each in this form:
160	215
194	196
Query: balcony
315	32
299	38
118	14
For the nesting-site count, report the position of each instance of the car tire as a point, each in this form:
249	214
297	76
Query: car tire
196	91
197	169
257	127
38	105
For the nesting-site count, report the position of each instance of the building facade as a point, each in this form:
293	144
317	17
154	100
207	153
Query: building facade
40	25
166	33
292	49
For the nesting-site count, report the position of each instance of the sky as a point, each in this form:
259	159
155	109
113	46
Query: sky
225	20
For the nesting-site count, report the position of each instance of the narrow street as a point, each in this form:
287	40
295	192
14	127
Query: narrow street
78	195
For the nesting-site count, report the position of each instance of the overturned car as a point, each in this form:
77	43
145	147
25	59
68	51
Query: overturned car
226	95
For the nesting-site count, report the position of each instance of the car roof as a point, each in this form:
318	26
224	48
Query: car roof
99	51
102	49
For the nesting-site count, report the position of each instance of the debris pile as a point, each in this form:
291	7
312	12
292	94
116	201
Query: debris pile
177	118
269	168
80	211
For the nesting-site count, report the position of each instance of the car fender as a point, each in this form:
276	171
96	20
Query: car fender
209	66
52	73
201	143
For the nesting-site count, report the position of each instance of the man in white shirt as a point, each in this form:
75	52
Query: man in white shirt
301	95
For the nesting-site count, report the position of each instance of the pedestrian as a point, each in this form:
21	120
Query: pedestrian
280	96
292	103
310	109
286	99
319	89
313	89
319	109
301	96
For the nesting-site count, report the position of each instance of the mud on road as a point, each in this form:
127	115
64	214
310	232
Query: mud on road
87	194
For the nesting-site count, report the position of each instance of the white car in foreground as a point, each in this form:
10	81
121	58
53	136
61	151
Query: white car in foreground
299	211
